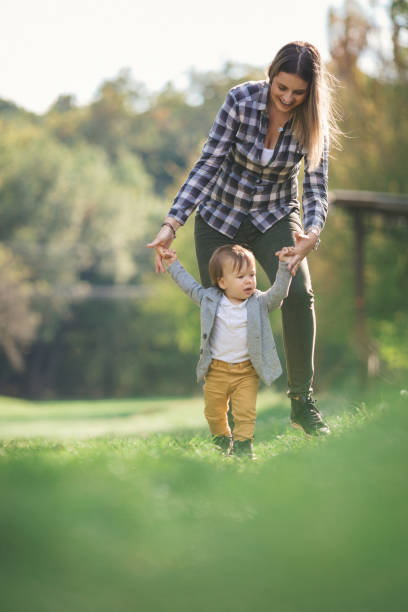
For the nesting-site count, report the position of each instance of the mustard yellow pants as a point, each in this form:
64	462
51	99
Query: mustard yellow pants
239	383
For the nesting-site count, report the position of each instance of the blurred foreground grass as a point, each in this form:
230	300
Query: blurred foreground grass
159	521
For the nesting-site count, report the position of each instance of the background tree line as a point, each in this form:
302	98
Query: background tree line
83	188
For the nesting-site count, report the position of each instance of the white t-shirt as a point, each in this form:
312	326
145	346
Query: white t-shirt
266	156
229	337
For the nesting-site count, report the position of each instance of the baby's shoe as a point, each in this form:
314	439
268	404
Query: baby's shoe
223	443
242	448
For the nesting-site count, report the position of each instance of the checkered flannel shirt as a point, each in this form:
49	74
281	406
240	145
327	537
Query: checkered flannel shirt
229	182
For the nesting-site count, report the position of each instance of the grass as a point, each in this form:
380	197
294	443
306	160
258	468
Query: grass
124	505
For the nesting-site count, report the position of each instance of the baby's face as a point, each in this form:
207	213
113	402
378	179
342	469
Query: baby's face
238	285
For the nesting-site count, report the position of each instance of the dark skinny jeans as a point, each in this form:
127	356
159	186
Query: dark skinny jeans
298	317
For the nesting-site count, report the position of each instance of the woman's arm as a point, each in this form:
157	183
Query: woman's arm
315	206
202	176
314	200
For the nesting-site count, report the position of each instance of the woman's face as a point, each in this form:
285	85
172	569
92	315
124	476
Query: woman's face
287	91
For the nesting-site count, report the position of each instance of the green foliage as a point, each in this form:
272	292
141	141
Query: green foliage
392	338
376	135
68	211
332	274
71	218
168	301
18	322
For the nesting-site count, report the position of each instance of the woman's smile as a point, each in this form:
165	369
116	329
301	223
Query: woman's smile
287	91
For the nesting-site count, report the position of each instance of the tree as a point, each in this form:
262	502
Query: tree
399	21
71	218
374	159
18	321
349	28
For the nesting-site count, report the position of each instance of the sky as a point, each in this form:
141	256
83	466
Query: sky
53	47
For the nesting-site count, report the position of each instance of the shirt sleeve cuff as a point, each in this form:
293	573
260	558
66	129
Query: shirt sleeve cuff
178	216
315	230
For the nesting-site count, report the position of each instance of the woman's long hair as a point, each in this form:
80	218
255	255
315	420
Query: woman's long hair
315	118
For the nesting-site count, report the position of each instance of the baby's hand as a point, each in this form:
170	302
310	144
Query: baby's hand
286	253
168	256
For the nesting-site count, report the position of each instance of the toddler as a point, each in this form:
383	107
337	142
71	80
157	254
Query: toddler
237	346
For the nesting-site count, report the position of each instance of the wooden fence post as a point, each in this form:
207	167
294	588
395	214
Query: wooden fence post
360	322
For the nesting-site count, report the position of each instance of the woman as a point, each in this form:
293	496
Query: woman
244	187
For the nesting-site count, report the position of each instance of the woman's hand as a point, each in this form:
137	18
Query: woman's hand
163	240
304	244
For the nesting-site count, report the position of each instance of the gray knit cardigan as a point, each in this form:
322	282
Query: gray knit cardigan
261	345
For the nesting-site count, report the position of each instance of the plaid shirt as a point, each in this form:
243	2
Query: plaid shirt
229	182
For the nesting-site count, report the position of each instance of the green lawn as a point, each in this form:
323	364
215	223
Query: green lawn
124	505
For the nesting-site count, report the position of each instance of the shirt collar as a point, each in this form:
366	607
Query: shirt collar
260	100
263	96
226	302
